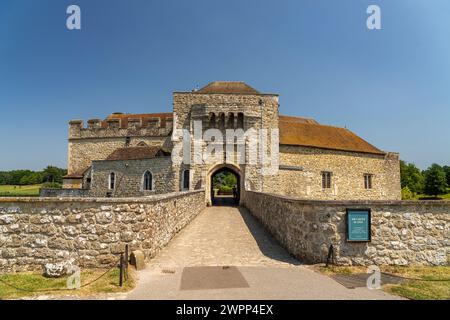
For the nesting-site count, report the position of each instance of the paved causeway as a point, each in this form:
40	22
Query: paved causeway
224	253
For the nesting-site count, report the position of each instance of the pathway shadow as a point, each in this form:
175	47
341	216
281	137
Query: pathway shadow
268	245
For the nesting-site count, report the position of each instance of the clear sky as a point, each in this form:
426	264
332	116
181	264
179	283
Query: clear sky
390	86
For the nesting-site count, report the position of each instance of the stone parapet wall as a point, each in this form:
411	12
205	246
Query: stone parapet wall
93	231
403	232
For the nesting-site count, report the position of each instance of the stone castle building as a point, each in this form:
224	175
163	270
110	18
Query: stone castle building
139	155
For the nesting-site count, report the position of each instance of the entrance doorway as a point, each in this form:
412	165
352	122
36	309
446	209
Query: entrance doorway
225	187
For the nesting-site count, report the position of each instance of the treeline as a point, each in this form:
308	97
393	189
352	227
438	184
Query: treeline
50	174
433	181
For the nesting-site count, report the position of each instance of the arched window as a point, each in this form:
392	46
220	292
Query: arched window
148	181
230	124
112	181
212	120
185	180
222	120
240	120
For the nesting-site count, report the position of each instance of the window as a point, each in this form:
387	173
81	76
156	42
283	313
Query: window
127	141
240	120
148	181
230	120
186	176
326	179
212	120
112	181
221	120
368	180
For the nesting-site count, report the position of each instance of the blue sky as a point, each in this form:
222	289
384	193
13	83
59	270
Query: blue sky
390	86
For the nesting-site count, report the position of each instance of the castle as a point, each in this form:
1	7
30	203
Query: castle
134	155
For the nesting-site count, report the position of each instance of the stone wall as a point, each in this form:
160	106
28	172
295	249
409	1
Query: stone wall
129	177
259	110
403	232
348	169
86	145
43	192
93	231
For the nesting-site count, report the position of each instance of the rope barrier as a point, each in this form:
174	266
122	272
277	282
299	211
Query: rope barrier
57	289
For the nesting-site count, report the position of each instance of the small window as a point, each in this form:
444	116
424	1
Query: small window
368	180
127	141
326	179
186	177
240	120
230	124
212	120
221	120
112	181
148	181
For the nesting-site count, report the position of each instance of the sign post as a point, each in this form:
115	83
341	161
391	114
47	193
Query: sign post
358	222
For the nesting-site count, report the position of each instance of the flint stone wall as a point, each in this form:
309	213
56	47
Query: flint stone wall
403	232
93	231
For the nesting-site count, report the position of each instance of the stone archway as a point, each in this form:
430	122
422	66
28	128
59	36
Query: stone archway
223	168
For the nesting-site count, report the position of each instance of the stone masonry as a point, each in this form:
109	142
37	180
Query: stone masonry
403	232
93	231
347	168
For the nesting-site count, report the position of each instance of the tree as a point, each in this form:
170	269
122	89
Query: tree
411	177
447	174
435	180
53	174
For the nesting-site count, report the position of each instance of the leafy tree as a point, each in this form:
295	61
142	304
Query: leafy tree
447	174
435	180
411	177
53	174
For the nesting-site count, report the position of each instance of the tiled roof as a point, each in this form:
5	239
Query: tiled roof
228	87
308	132
137	153
76	175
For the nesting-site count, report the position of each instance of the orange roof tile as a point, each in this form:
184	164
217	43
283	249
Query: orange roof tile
301	132
227	87
137	153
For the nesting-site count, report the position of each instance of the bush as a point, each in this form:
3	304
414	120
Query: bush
407	194
52	185
225	190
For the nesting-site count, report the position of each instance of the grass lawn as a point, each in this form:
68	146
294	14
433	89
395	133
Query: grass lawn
411	289
109	283
19	191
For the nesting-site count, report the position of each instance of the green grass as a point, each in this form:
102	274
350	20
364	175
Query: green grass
57	286
411	289
19	191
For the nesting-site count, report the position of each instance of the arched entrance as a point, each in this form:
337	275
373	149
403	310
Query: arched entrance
225	186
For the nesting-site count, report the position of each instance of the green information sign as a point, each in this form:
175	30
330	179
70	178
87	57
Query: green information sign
358	225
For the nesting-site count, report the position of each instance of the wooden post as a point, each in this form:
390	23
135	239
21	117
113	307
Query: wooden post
126	262
121	270
330	256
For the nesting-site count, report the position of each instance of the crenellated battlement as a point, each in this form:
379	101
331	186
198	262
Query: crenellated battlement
123	125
